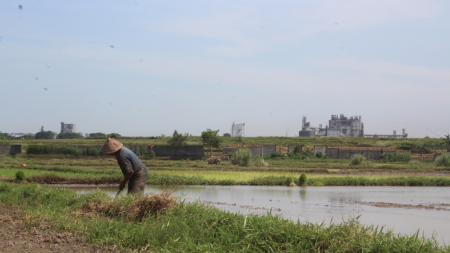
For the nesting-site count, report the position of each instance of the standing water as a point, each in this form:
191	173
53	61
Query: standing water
405	210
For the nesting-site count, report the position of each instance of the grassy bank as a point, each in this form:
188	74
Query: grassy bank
194	227
71	175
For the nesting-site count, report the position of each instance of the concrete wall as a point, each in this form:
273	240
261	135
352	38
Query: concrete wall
291	148
262	150
254	150
321	148
196	150
10	149
229	150
336	153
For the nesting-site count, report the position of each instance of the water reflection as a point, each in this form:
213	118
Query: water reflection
329	204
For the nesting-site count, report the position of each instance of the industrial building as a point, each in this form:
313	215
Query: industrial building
341	126
338	126
237	129
68	128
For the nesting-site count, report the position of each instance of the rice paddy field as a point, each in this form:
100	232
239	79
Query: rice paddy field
194	227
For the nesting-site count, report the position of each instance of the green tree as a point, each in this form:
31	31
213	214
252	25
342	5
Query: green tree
226	135
446	142
70	136
45	135
211	138
4	136
97	135
114	135
178	140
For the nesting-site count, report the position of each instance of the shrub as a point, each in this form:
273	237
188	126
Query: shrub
307	151
258	161
357	159
319	154
395	157
303	180
317	183
65	150
89	151
20	176
40	149
443	160
240	157
277	154
289	181
298	149
405	145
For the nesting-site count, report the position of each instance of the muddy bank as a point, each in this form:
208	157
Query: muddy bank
18	236
440	207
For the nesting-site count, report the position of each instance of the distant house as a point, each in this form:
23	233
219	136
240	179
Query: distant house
68	128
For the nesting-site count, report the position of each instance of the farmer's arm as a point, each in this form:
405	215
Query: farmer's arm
125	179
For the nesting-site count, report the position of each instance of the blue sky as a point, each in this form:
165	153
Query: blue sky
147	68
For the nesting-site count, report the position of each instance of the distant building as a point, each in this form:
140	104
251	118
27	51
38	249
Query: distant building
345	127
68	128
342	126
238	130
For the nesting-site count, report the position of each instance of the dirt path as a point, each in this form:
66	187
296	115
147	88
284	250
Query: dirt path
17	238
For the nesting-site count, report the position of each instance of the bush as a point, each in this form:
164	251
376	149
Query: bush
40	149
317	183
240	157
394	157
65	150
20	176
70	136
45	135
319	154
289	181
405	145
443	160
277	154
303	180
298	149
357	159
91	152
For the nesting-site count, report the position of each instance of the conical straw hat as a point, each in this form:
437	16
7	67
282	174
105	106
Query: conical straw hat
111	145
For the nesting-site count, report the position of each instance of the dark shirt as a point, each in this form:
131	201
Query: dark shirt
128	161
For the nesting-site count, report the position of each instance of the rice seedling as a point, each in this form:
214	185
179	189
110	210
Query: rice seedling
303	180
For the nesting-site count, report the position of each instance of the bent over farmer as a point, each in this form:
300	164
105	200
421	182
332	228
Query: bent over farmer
133	170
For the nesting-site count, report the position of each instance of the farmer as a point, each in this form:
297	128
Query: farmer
134	171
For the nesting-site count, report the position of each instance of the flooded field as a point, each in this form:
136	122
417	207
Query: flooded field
406	210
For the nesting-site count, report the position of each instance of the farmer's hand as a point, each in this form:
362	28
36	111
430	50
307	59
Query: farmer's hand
122	185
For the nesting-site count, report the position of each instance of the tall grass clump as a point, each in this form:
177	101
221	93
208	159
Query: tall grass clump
443	160
357	159
303	180
20	176
395	157
241	158
40	149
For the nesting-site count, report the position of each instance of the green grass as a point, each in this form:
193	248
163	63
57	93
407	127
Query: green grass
195	227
